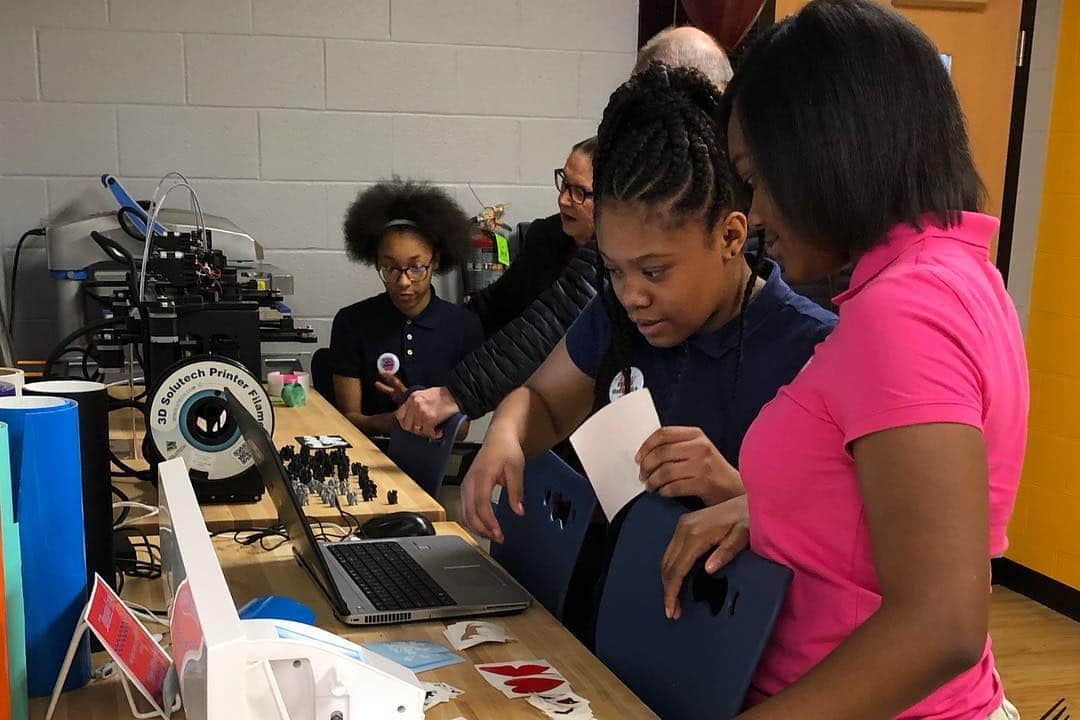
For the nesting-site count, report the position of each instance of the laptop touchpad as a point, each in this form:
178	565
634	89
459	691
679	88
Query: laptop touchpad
470	576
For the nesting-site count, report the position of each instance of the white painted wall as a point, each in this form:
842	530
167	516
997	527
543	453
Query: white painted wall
281	110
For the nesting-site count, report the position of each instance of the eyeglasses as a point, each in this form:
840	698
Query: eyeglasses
390	273
577	193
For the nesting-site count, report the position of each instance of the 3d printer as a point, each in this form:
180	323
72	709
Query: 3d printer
183	298
203	290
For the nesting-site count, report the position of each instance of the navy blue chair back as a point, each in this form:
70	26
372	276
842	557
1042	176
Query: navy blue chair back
699	666
322	374
541	549
422	459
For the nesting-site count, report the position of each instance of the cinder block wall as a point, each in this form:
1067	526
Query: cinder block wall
281	110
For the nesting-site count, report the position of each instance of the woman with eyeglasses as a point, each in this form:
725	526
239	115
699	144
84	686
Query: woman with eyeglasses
548	244
406	336
527	310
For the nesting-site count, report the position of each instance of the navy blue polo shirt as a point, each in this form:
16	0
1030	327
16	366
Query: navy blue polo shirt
428	345
692	383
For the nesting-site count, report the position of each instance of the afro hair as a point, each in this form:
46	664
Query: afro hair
439	220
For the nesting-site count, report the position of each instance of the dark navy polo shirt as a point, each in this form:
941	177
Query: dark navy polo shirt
428	345
692	383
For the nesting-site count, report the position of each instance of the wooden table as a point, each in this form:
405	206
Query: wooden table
317	417
251	572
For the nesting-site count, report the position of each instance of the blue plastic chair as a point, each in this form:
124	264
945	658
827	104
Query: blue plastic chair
541	549
422	459
699	666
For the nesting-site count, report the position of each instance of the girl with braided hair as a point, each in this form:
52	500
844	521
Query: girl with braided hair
713	334
406	335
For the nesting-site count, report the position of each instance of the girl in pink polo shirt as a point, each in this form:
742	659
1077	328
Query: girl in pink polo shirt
884	475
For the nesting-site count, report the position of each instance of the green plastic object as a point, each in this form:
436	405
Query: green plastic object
503	246
13	588
294	395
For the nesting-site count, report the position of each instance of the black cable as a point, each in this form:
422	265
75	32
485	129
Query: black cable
271	548
351	522
256	535
67	350
135	567
126	470
87	357
118	254
128	227
63	346
148	570
38	232
121	403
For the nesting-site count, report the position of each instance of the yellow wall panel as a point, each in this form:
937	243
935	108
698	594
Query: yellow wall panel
1039	558
1070	148
1053	339
1059	222
1059	297
1056	161
1045	532
1050	523
1054	400
1046	464
1068	570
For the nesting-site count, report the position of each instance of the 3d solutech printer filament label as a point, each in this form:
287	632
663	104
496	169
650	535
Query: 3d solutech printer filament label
188	416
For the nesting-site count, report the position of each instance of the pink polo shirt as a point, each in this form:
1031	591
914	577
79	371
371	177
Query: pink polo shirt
927	334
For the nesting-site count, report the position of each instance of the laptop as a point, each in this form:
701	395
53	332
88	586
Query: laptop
392	580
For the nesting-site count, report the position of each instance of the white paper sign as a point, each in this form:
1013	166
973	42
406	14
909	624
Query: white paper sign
607	443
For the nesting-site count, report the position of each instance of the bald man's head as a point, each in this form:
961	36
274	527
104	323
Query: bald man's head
687	47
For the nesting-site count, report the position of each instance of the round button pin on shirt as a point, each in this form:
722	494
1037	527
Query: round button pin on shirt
388	364
618	387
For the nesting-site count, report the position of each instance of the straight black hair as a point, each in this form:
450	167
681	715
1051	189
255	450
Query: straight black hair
660	144
853	124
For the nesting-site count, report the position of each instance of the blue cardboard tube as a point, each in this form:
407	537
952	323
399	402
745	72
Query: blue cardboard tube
46	484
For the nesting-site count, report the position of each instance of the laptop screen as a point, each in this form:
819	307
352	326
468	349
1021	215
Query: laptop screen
270	468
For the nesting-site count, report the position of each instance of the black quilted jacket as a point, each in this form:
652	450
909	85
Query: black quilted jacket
508	357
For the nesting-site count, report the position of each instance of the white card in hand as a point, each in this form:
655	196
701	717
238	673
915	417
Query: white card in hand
607	443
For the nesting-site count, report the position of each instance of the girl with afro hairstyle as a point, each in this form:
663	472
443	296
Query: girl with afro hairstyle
406	336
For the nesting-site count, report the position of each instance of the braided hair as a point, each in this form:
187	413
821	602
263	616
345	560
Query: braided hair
661	143
427	210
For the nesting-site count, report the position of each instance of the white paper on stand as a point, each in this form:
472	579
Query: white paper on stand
607	443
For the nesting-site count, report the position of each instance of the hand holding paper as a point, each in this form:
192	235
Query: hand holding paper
607	443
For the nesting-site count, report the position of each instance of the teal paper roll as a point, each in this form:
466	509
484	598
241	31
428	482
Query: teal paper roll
13	588
46	488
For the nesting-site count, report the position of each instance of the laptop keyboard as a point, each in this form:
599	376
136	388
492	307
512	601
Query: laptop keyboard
389	577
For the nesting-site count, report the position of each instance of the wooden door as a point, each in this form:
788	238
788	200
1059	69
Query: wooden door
983	46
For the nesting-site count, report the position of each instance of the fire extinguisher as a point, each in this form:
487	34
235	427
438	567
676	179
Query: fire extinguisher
489	254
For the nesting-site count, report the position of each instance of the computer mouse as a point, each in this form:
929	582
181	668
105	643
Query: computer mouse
398	524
